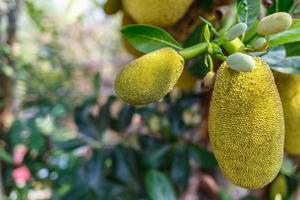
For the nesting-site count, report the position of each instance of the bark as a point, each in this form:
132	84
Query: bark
6	83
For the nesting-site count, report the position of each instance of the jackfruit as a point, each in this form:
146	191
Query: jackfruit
278	188
186	81
246	125
130	49
150	77
157	12
289	90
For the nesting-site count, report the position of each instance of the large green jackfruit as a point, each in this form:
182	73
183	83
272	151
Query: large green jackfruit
156	12
289	90
150	77
246	125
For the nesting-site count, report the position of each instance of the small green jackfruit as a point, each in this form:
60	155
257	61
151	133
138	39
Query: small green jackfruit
150	77
246	125
278	188
289	90
157	12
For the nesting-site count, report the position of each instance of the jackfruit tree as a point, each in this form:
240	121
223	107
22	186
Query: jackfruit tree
252	118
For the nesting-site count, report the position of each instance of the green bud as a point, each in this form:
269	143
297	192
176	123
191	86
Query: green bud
274	23
259	44
236	31
209	79
241	62
112	6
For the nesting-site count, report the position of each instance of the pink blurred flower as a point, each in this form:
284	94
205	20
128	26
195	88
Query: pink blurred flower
19	153
21	175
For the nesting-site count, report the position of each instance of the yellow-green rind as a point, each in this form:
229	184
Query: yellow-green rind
289	90
246	125
150	77
157	12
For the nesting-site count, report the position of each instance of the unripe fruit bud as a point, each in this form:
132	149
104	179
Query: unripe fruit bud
259	44
241	62
236	31
209	79
112	6
274	23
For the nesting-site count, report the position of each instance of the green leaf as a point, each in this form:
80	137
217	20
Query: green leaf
288	36
280	6
224	196
248	11
292	49
288	167
274	55
4	156
210	25
180	168
96	81
159	186
206	33
202	157
249	198
154	157
146	38
289	65
251	32
194	37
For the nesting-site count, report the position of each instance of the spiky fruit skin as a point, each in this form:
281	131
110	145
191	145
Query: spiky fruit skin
246	125
150	77
289	90
278	187
156	12
186	81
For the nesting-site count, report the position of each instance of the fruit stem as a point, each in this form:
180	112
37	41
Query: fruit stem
194	51
233	46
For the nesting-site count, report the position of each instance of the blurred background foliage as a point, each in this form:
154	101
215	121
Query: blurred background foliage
70	138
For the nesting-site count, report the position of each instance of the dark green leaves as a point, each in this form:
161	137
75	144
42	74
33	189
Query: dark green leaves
248	11
290	65
159	187
288	167
292	49
288	36
202	157
278	61
280	6
4	156
146	38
